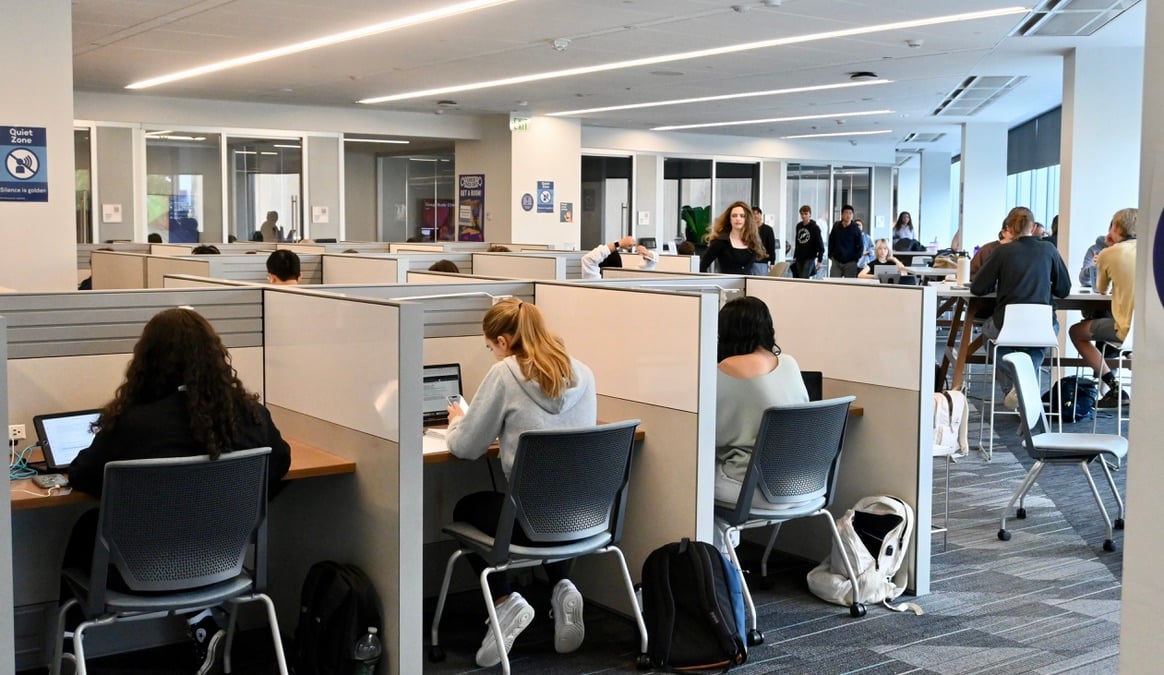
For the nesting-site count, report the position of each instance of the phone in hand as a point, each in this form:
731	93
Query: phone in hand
459	401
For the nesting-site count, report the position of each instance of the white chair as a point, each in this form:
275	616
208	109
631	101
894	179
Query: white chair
1125	351
1024	326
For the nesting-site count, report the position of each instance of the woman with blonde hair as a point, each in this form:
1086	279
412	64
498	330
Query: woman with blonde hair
534	385
734	242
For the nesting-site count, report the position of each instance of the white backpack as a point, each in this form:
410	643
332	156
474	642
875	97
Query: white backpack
875	534
951	419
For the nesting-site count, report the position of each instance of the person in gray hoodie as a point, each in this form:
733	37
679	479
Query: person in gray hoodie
1087	272
534	385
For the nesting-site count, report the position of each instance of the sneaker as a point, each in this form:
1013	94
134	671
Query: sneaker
208	640
566	603
514	615
1011	401
1112	398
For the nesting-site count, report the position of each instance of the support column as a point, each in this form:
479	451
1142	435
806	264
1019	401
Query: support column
983	182
774	201
932	218
647	183
39	251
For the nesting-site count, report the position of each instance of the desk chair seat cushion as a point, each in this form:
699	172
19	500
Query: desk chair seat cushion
479	542
1052	445
121	601
765	510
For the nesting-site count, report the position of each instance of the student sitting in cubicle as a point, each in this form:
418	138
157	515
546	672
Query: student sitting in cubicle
881	258
534	385
444	266
753	376
607	255
734	243
206	249
181	397
283	268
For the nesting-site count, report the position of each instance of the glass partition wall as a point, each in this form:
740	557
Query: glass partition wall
265	183
687	204
183	186
606	199
83	183
417	197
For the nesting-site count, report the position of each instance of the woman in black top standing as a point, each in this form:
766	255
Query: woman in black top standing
734	242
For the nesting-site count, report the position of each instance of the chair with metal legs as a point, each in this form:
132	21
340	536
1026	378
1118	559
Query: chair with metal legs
1125	352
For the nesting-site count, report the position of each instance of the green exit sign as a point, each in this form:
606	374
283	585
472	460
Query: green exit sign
518	123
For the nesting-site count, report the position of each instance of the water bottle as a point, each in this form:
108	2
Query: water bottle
367	653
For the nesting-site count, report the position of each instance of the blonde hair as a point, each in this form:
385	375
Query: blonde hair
541	354
751	234
1125	221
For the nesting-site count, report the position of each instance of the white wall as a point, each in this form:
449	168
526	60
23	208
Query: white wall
323	180
932	217
491	155
550	150
39	251
359	195
983	183
909	189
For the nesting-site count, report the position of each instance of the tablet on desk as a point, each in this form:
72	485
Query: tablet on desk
63	436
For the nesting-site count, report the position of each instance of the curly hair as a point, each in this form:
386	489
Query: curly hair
750	235
178	348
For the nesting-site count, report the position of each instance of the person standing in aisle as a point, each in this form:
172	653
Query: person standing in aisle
845	246
734	244
809	251
767	235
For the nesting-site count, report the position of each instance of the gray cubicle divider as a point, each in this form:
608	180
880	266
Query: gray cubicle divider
86	250
7	605
245	267
339	373
68	351
520	265
419	262
237	247
891	372
671	390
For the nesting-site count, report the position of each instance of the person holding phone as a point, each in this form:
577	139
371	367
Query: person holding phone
607	255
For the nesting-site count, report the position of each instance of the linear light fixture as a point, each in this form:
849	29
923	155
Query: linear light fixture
842	133
325	41
171	137
699	54
771	120
375	140
723	97
285	145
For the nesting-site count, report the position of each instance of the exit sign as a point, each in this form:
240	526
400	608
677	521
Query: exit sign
517	123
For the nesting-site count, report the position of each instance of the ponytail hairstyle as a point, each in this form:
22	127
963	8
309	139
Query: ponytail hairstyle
541	354
1020	222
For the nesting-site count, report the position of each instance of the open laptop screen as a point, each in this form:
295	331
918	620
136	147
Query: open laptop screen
440	382
63	436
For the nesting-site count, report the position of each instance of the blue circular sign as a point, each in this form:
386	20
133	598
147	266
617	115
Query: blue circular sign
1158	258
22	164
527	202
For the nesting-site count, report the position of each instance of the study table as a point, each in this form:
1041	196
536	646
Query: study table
307	461
962	343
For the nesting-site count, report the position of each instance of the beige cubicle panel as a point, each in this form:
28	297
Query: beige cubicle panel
113	270
157	267
172	249
678	263
360	269
890	370
519	266
416	248
317	249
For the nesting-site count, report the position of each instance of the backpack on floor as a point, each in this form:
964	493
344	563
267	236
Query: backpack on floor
337	606
875	535
1078	398
951	419
693	605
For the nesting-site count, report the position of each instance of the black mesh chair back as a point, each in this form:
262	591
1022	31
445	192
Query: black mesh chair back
178	523
796	456
570	484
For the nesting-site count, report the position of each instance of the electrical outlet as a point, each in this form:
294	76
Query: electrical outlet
16	432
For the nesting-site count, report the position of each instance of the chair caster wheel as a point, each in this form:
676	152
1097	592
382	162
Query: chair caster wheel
755	637
1021	513
643	662
1108	545
1004	535
857	610
436	654
1118	524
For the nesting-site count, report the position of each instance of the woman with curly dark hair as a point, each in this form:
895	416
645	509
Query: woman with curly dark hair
734	243
181	397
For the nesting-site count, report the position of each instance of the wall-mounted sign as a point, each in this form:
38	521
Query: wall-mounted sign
566	212
527	203
518	123
24	177
545	196
471	207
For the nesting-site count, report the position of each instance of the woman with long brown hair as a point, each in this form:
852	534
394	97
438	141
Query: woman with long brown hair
534	385
734	242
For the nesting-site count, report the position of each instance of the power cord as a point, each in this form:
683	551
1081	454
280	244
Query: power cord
18	466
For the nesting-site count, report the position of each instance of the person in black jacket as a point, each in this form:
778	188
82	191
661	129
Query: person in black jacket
181	397
733	243
809	252
845	246
1028	270
767	234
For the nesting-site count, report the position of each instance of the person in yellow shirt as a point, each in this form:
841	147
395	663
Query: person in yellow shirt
1115	267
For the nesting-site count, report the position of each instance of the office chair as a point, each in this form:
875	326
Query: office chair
178	531
792	474
1059	448
1125	352
567	492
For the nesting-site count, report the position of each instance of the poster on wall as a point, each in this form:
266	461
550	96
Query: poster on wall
471	214
545	196
566	212
25	174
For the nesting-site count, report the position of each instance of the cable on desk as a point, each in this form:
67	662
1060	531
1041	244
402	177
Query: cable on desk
18	467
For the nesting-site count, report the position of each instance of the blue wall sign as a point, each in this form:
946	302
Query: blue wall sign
24	176
545	196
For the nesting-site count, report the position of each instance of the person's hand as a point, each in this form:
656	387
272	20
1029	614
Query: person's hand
455	412
643	251
892	259
1095	260
627	242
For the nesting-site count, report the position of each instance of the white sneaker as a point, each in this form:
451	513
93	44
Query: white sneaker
569	631
1011	401
514	615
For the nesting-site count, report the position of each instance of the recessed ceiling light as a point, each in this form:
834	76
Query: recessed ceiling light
375	140
797	118
699	54
724	97
842	133
325	41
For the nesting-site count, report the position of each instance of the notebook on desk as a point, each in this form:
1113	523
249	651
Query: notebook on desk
439	383
62	436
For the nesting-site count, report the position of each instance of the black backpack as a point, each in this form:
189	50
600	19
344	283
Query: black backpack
693	606
337	606
1077	401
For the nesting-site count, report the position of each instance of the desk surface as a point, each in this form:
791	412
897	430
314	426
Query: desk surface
307	461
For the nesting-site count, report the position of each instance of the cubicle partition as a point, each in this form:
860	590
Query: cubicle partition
890	369
238	247
520	266
358	246
158	266
302	249
245	267
113	270
685	264
362	269
7	581
84	251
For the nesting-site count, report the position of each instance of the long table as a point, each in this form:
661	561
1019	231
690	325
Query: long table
962	343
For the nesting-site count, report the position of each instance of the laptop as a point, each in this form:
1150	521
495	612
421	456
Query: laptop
64	435
439	383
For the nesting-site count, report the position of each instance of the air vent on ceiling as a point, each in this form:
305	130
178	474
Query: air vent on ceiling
975	93
1071	17
923	138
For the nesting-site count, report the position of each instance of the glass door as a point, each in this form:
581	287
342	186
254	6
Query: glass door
83	184
687	188
265	183
183	186
606	200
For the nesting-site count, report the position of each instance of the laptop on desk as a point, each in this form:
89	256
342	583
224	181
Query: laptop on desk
439	383
62	436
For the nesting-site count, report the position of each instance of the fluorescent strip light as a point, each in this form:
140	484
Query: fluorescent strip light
325	41
375	140
699	54
280	145
770	120
265	152
175	138
724	97
244	152
159	133
842	133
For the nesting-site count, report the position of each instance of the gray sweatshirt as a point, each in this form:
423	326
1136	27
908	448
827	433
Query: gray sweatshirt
507	404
